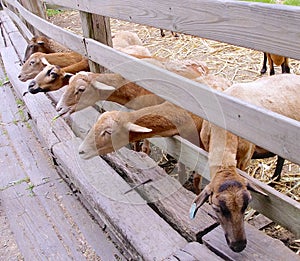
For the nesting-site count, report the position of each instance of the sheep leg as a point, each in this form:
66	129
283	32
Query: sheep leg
162	33
264	68
271	64
197	181
277	174
285	66
146	147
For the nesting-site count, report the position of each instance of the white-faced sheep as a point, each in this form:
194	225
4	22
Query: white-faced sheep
228	191
277	60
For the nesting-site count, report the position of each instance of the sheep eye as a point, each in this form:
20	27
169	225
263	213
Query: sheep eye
79	90
32	63
54	75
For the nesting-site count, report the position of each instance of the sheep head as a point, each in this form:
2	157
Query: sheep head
35	63
82	91
229	195
36	44
51	78
110	133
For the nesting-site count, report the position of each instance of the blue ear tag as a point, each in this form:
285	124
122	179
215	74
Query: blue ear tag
192	211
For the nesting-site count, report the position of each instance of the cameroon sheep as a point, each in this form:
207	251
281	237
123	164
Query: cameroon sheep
43	44
51	78
278	60
71	62
227	191
130	43
74	99
86	88
116	129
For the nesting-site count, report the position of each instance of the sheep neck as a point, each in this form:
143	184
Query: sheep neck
222	150
166	120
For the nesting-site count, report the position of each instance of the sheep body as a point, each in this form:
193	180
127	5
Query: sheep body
91	94
278	60
116	129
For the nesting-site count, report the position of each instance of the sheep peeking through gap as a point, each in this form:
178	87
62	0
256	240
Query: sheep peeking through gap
227	191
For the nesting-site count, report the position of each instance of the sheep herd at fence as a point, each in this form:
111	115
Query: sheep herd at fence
51	66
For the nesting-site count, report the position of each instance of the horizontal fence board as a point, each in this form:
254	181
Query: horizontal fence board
64	37
282	137
18	21
252	25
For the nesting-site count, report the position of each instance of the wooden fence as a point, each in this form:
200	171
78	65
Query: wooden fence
271	28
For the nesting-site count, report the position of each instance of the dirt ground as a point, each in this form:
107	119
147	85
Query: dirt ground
235	63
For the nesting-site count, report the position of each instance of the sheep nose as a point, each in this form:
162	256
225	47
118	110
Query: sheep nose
32	83
19	76
238	246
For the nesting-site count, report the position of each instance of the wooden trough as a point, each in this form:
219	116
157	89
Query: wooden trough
151	222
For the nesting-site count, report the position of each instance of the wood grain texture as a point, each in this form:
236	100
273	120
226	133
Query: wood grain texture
253	25
193	251
66	38
67	227
164	192
259	247
124	214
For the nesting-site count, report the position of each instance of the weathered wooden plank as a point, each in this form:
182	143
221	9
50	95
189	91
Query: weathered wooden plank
277	206
27	216
72	224
39	106
191	252
96	27
259	247
125	214
66	38
260	221
234	22
26	32
170	198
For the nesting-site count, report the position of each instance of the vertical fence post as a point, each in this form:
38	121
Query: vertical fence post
96	27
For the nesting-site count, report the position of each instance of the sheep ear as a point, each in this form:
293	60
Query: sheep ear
199	201
136	128
67	76
252	187
102	86
44	61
